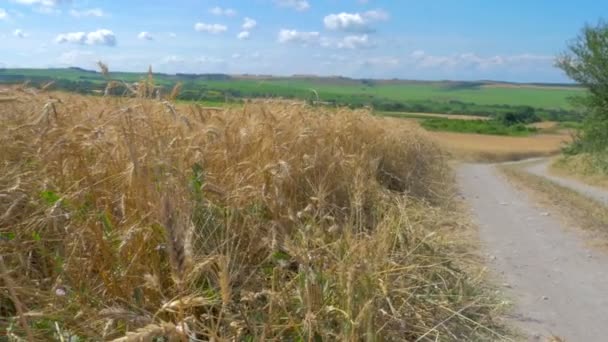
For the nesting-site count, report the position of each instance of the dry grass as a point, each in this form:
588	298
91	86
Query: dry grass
583	167
130	218
577	209
488	148
545	125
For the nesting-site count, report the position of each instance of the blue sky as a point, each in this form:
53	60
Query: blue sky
514	40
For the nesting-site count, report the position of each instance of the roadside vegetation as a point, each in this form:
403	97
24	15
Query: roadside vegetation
131	218
581	211
586	62
584	167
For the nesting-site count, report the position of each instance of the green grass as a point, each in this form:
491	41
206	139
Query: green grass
556	97
476	126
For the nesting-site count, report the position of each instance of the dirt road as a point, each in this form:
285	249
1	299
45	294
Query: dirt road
541	168
558	286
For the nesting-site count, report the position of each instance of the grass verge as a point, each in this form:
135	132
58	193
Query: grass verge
578	209
583	167
132	219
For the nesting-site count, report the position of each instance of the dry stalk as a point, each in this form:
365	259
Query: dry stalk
18	305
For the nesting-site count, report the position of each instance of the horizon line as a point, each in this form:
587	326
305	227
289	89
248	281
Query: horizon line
303	76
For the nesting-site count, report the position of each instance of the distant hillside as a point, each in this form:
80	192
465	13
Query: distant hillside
484	98
57	73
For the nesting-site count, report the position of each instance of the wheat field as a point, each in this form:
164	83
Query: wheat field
131	218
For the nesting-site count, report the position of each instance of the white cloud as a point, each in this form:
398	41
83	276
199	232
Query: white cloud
99	37
254	55
293	36
229	12
355	42
243	35
172	59
210	28
172	34
346	22
354	22
421	59
326	42
376	15
47	10
383	62
43	6
298	5
209	60
76	57
338	58
72	37
19	33
92	12
145	36
249	24
48	3
3	14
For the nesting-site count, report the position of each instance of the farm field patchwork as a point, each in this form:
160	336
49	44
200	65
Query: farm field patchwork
478	98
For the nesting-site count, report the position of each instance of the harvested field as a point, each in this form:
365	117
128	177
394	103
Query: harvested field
478	147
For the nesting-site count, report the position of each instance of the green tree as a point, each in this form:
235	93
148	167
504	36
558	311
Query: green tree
586	62
522	115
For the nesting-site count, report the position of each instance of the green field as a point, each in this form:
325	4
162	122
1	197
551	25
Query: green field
473	98
479	93
490	127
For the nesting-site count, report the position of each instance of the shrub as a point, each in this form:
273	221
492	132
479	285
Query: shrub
524	115
586	62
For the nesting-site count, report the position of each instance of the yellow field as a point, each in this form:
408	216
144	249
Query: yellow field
478	147
133	219
493	148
